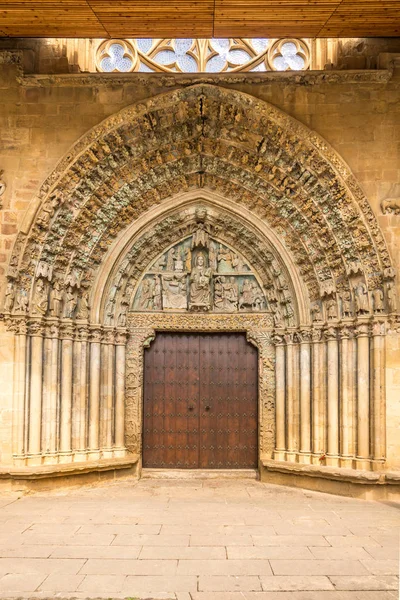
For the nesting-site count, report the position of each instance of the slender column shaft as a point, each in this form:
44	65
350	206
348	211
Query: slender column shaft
346	412
94	399
332	397
279	453
317	395
46	416
305	401
35	396
378	396
290	400
363	399
120	394
82	395
19	395
66	392
107	385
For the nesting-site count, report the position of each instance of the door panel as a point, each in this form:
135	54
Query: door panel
200	402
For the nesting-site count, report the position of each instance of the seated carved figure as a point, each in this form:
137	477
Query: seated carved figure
200	285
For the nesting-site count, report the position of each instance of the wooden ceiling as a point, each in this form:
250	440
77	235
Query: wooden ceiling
199	18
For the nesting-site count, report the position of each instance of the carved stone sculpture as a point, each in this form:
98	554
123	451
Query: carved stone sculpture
316	313
83	311
391	296
331	309
250	296
361	298
146	300
200	285
21	301
378	300
56	299
70	303
226	294
391	206
9	297
174	294
41	297
346	305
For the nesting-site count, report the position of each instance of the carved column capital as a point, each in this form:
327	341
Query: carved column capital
330	333
95	334
52	330
67	330
362	330
345	332
108	336
121	338
82	333
19	326
278	340
316	335
36	328
378	328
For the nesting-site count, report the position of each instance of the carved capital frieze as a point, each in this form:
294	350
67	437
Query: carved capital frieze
36	328
67	330
95	334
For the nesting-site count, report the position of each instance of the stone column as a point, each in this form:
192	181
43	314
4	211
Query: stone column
107	394
317	426
94	394
50	393
280	417
290	400
363	398
19	392
346	400
305	398
120	370
378	396
36	332
66	335
332	455
80	393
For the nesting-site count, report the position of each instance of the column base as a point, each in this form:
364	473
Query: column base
19	460
346	462
33	460
378	464
80	456
332	461
363	463
119	452
65	457
315	459
93	454
50	458
291	456
107	453
305	458
279	454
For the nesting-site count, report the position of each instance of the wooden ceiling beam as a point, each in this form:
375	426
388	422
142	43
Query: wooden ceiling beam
199	18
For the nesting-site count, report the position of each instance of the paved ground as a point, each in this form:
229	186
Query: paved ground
197	540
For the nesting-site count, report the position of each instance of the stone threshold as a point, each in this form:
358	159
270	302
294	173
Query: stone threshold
362	477
59	470
148	473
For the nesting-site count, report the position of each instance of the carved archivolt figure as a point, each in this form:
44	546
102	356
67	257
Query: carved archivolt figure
71	302
378	300
361	296
227	260
316	313
391	296
21	302
83	312
55	299
346	305
200	285
40	300
146	299
331	309
9	297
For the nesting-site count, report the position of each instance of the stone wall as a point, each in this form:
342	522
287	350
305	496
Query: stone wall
41	116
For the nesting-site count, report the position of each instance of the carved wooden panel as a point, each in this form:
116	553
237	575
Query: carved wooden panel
200	402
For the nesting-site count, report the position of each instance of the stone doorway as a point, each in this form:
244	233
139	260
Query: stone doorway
200	402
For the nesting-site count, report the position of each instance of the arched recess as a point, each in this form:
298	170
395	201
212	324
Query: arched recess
267	177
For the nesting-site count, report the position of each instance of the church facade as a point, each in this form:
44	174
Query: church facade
205	266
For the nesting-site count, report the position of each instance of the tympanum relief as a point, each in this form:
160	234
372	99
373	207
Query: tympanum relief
200	274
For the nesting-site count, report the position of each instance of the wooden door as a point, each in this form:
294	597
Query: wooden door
200	402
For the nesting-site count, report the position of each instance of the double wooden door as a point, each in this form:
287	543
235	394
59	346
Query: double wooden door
200	402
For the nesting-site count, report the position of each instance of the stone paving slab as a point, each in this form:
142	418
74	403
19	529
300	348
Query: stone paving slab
197	540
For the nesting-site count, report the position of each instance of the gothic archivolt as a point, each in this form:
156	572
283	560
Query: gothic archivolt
202	137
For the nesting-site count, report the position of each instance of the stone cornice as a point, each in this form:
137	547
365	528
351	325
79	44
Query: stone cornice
161	80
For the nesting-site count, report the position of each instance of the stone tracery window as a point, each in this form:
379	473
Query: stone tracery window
202	55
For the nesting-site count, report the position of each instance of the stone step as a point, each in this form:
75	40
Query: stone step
199	474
